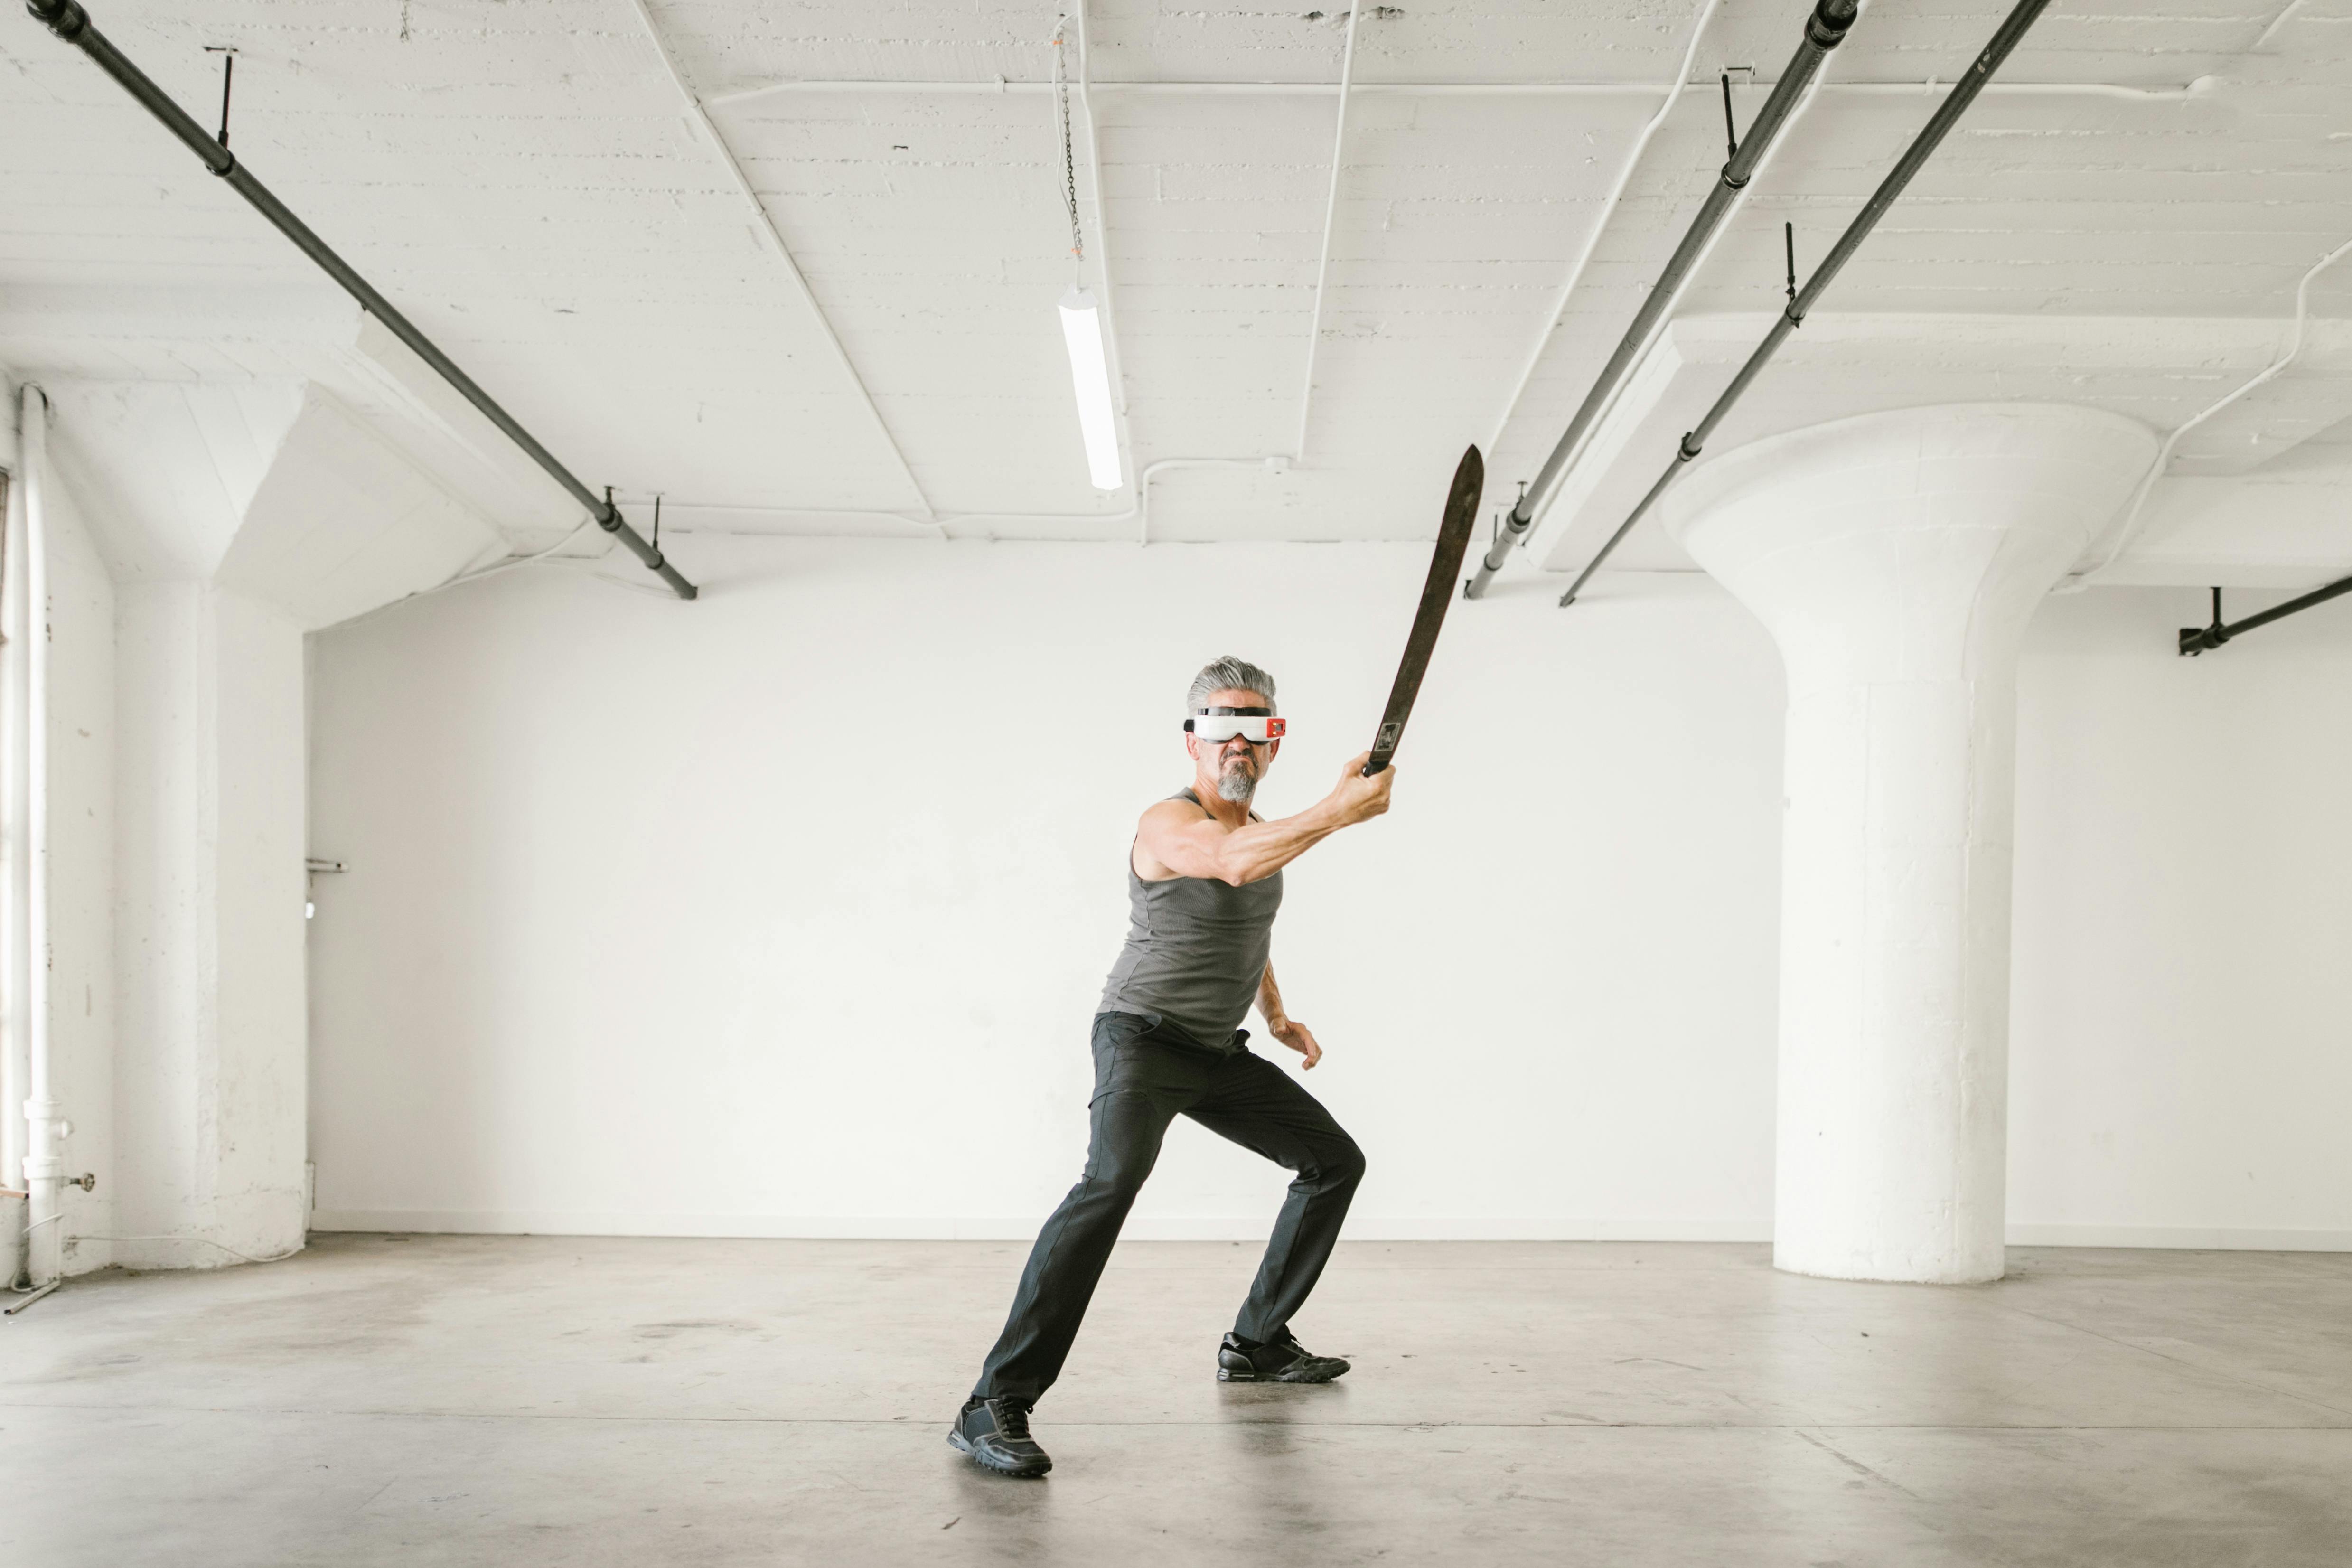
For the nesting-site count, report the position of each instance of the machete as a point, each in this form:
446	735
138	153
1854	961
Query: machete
1452	539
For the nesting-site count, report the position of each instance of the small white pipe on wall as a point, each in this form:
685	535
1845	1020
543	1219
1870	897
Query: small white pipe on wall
45	1126
16	1061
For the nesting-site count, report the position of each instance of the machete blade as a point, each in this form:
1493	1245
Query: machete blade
1436	594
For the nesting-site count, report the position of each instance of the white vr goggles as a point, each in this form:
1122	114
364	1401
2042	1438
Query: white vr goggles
1218	725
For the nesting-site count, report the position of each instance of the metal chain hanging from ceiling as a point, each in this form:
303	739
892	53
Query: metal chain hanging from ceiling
1069	158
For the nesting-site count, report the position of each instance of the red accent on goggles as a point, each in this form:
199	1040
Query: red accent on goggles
1218	725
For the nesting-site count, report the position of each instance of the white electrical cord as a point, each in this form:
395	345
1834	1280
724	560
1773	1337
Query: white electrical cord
492	570
2277	22
633	587
232	1252
2130	528
512	562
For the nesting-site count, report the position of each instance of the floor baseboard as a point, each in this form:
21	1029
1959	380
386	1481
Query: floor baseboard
1251	1227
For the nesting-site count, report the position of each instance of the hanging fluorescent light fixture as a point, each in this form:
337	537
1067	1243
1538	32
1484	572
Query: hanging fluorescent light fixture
1082	316
1082	334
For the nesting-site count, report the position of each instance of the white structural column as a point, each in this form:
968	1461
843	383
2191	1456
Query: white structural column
210	1070
1897	559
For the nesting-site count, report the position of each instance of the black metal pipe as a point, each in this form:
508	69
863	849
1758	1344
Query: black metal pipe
69	21
1948	114
1825	29
2195	640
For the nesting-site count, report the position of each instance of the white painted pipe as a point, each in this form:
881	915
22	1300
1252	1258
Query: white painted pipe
2286	13
1330	222
1138	514
1669	94
16	898
2200	88
45	1125
2127	528
1103	290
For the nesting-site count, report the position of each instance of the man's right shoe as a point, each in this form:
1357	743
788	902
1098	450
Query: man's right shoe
1280	1360
995	1433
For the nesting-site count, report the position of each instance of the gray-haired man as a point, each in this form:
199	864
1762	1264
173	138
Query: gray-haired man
1205	880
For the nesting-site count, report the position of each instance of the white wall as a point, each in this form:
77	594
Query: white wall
2180	1057
749	916
756	915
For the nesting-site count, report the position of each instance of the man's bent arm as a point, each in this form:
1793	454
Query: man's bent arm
1282	1026
1189	843
1269	1000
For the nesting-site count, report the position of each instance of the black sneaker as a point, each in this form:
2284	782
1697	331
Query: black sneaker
1282	1360
995	1433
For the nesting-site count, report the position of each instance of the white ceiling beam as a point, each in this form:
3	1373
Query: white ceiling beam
767	227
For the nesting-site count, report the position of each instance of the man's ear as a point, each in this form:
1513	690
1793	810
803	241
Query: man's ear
1273	748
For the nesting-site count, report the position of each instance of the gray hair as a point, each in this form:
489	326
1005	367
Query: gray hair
1228	674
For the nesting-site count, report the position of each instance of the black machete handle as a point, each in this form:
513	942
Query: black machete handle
1444	566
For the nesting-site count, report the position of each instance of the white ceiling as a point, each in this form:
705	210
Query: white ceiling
526	181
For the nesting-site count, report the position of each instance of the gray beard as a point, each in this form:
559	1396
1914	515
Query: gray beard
1235	785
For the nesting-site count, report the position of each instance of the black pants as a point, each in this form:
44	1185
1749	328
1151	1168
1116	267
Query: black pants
1145	1076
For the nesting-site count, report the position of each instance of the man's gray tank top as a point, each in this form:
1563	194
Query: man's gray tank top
1196	949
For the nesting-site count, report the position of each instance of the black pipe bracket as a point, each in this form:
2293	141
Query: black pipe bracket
2195	640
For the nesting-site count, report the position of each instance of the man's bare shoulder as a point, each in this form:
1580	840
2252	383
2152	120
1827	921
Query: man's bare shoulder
1163	816
1175	812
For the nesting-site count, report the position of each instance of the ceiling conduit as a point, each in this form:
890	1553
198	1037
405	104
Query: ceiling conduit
2195	640
1825	29
70	22
1923	146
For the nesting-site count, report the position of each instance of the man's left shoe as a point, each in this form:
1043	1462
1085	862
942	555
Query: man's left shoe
995	1433
1280	1360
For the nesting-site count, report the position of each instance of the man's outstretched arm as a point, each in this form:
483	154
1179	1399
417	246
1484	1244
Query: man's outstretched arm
1191	844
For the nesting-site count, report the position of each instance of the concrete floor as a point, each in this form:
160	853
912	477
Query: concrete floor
545	1400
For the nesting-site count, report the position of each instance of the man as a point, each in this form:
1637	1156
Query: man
1204	879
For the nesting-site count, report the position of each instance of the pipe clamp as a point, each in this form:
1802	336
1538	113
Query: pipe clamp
64	17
